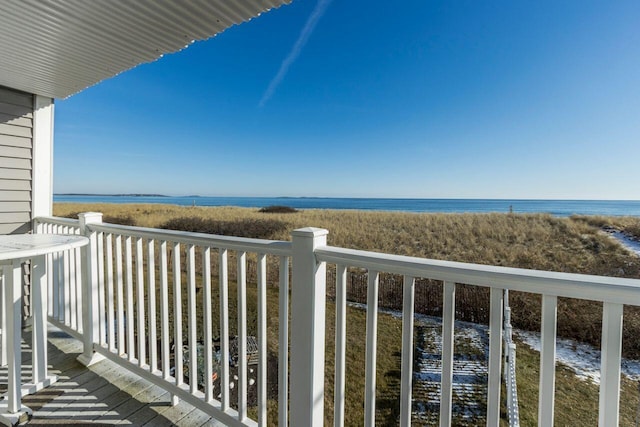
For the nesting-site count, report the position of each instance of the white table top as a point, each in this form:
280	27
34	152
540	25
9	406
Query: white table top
20	246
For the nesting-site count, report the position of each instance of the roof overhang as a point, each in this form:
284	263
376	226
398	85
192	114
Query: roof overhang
57	48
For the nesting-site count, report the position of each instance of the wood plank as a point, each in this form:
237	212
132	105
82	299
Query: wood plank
15	141
15	184
14	97
15	130
12	120
131	405
15	228
15	196
212	422
13	163
139	413
170	415
17	152
20	174
145	405
114	415
16	110
196	418
106	393
14	217
84	384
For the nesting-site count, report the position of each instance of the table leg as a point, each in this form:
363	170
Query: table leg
39	295
11	410
14	330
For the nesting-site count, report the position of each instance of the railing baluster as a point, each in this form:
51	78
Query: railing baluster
50	290
611	352
547	360
341	345
193	338
120	295
66	309
177	328
73	319
371	349
448	327
142	340
164	310
242	335
78	283
102	340
208	326
224	329
495	356
130	315
151	278
408	291
262	339
111	323
283	343
56	286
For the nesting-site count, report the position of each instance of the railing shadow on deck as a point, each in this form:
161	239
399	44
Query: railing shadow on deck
102	395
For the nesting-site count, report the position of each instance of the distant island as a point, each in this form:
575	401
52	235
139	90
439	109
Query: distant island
112	195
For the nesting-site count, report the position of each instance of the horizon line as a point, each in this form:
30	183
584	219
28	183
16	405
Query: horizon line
341	197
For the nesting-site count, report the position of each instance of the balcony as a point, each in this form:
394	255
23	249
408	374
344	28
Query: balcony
137	304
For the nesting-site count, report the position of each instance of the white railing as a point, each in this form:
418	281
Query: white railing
513	410
133	271
64	283
125	265
613	292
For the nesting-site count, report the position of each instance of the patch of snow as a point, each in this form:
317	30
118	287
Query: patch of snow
631	244
582	358
469	370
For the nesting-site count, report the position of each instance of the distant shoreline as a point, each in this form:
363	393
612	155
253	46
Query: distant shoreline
113	195
343	198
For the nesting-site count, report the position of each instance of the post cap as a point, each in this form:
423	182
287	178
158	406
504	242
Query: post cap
310	232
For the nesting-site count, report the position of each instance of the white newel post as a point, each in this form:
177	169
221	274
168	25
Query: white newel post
308	294
90	319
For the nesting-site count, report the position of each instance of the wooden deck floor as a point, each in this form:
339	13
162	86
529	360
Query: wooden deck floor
104	394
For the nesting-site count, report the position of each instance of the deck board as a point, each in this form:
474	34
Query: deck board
103	394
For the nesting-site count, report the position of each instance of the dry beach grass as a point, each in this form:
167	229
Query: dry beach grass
534	241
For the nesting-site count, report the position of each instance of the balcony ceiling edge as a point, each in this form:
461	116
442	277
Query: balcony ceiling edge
57	49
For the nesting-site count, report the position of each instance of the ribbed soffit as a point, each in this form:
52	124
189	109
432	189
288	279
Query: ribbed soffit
56	48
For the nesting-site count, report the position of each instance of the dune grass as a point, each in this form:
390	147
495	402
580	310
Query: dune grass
534	241
537	241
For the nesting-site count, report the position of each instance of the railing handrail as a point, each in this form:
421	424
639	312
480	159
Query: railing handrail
270	247
57	221
570	285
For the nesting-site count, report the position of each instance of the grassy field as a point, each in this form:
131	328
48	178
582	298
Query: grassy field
516	240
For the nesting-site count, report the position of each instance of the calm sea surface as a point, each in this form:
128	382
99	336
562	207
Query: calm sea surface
554	207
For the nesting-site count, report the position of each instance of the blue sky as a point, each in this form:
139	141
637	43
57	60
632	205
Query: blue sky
357	98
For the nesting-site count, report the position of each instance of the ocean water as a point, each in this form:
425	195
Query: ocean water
553	207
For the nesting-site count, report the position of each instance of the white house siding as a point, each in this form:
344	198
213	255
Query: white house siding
16	160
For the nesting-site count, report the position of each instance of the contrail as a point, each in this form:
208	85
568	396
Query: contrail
315	16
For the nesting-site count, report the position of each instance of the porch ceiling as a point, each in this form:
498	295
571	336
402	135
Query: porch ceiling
57	48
